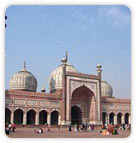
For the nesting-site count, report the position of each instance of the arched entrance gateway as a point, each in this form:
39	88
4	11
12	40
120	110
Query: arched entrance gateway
82	108
76	115
18	116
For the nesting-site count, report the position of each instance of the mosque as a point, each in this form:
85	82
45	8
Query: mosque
73	97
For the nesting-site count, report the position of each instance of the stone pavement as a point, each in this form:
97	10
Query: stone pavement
64	133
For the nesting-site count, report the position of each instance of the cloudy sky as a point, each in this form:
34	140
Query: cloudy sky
91	34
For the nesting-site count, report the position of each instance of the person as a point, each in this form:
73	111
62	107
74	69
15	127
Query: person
81	127
13	127
70	127
48	128
86	125
59	128
123	126
10	127
75	127
115	131
7	130
40	131
92	127
78	127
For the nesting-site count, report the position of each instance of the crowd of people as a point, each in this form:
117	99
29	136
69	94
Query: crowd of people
111	129
11	127
84	127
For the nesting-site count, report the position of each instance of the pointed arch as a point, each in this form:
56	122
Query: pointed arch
43	117
54	117
111	117
76	115
127	115
82	92
18	116
119	118
31	117
104	118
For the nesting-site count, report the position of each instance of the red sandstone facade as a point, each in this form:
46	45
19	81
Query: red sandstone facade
79	100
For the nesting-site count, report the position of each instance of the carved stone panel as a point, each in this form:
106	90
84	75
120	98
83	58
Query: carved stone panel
19	102
127	108
32	102
8	101
50	104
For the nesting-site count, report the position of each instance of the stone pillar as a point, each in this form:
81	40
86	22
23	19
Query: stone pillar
108	119
99	114
59	119
49	118
129	119
24	118
63	105
123	119
12	116
37	118
115	119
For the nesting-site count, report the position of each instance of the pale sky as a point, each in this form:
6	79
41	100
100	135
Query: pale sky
91	34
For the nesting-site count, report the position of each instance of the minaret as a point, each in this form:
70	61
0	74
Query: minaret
66	55
63	111
99	71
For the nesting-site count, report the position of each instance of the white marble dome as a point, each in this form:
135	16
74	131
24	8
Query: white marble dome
23	80
55	79
106	89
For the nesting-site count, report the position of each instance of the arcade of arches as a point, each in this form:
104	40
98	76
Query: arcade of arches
82	109
32	117
76	117
112	118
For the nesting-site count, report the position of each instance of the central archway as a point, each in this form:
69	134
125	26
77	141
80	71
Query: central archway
83	105
76	115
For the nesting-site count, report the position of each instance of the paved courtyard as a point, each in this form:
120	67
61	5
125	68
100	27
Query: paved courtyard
64	133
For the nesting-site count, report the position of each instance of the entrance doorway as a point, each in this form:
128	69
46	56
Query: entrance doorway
18	116
127	118
31	117
111	118
119	118
76	115
42	117
54	118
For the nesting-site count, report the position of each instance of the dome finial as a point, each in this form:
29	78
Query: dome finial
66	55
24	67
24	64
